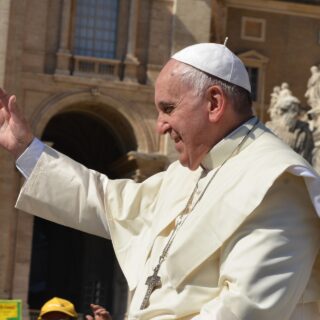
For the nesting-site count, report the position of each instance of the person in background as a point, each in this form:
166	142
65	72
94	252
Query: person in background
58	309
62	309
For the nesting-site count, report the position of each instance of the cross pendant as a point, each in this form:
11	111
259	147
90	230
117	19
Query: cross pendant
153	282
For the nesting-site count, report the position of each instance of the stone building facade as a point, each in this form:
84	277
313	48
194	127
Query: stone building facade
277	40
91	97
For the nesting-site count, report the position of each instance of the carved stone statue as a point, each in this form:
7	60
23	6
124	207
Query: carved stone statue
313	99
284	90
314	114
278	92
274	95
313	88
285	123
273	100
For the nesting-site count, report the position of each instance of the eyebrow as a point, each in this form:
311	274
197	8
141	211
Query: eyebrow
163	104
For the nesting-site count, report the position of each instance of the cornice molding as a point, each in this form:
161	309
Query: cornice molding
254	57
279	7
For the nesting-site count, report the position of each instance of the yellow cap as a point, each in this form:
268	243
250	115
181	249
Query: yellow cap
58	305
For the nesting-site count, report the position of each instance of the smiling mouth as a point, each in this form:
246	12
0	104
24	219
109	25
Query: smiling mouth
175	137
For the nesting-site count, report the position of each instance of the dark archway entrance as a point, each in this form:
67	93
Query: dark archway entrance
65	262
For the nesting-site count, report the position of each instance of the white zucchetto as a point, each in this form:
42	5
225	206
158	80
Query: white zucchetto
216	60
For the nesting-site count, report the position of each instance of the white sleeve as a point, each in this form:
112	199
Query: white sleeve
215	310
27	161
63	191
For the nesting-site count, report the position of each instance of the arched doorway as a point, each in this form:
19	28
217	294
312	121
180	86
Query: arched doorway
68	263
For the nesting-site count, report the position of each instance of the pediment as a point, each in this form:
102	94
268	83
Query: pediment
253	56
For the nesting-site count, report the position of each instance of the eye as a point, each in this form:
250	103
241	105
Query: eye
168	108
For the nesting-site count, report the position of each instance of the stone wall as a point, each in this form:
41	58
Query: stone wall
291	40
4	25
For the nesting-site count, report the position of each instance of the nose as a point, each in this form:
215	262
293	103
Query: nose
162	125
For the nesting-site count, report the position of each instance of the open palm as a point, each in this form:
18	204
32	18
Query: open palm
15	132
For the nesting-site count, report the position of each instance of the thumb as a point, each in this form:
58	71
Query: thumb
13	108
89	317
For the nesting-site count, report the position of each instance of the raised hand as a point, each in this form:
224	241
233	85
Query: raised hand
15	132
99	313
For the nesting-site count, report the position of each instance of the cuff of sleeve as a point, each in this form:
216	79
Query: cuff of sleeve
29	158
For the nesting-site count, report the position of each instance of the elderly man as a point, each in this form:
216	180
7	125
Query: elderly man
230	231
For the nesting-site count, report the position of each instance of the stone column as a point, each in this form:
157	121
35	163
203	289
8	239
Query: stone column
159	47
131	61
4	27
190	28
9	186
315	122
316	151
219	21
64	54
22	260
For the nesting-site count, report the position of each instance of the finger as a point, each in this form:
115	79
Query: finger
4	111
89	317
9	104
13	108
101	311
95	306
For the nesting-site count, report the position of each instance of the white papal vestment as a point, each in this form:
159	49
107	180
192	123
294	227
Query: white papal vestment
246	251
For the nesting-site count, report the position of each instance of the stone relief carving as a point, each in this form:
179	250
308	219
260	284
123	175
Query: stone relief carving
313	100
286	121
313	88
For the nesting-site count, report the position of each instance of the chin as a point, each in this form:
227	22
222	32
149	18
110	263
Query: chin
189	164
184	162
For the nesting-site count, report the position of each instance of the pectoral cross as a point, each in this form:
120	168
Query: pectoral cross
153	282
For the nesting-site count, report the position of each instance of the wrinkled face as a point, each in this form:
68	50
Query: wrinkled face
183	115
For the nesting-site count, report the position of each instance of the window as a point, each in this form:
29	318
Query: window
253	76
96	27
253	29
256	65
95	42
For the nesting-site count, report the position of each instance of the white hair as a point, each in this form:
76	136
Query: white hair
200	81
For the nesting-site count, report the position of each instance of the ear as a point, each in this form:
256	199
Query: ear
216	103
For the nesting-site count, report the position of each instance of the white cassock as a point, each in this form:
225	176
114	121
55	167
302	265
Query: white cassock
246	251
